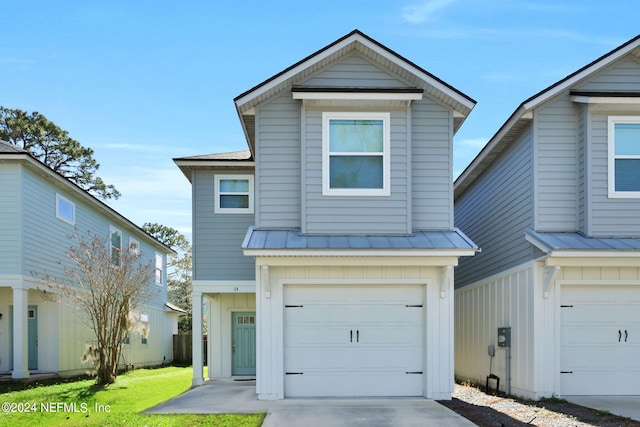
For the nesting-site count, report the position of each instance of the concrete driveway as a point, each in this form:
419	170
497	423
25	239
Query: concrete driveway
218	397
625	406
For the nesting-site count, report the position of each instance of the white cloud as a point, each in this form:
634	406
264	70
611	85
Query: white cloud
419	13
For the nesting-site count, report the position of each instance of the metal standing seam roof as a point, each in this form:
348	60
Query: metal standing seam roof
552	241
292	239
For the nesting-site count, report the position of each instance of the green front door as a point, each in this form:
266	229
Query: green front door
32	336
243	345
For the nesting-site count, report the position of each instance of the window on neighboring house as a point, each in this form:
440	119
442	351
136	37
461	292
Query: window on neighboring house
126	340
159	268
134	246
65	209
116	244
624	156
355	148
144	318
234	194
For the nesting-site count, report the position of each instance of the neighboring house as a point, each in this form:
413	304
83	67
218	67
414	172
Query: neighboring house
553	200
326	251
39	211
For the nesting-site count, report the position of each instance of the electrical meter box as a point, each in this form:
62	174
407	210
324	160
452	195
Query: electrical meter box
504	337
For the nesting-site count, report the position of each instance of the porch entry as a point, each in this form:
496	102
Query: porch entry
243	345
32	336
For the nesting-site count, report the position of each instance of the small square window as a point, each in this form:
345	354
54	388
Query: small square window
356	154
134	246
234	194
65	209
624	157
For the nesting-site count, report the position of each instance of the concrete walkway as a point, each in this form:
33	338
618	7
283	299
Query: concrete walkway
625	406
220	397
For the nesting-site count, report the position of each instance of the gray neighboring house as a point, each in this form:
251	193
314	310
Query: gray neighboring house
553	200
39	211
326	250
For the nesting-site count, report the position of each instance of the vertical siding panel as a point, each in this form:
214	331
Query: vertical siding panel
10	251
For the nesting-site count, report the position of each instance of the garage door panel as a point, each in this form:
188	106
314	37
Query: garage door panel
364	340
600	349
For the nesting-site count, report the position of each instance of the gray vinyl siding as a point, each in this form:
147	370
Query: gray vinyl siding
355	214
46	239
10	219
556	125
583	169
495	211
431	166
217	238
609	216
278	165
623	75
354	71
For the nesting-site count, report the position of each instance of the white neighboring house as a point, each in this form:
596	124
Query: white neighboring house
39	210
553	199
326	250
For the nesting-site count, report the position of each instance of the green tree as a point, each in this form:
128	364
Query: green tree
178	271
54	147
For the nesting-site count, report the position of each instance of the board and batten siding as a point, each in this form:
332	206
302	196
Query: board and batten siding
505	300
217	238
431	166
556	127
355	214
10	218
278	163
495	211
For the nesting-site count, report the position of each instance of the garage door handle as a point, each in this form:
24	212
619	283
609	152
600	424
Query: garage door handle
626	335
619	335
358	336
351	335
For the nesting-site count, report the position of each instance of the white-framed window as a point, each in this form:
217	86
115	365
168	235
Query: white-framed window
65	209
115	242
134	246
234	194
356	154
159	271
624	156
144	334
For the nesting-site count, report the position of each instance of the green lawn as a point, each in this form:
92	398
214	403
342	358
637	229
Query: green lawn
81	403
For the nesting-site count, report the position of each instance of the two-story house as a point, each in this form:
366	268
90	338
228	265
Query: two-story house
553	200
326	250
43	333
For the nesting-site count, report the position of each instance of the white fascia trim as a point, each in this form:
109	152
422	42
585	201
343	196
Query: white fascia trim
357	96
605	99
224	286
537	243
215	163
590	253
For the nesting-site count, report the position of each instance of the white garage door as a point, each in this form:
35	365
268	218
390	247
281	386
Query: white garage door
353	341
600	340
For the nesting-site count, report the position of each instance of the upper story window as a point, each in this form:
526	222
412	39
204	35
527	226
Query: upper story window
134	246
65	209
624	157
355	154
159	269
234	194
115	241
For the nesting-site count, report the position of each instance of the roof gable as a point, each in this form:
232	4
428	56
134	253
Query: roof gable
523	115
360	45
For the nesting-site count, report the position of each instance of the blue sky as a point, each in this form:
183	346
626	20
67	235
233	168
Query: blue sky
142	82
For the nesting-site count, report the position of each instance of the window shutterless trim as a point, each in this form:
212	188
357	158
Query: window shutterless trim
60	215
218	194
385	154
612	157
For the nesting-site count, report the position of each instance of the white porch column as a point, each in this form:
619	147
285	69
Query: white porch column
198	374
20	333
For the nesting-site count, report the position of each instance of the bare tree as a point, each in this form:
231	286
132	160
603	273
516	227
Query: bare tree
109	286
